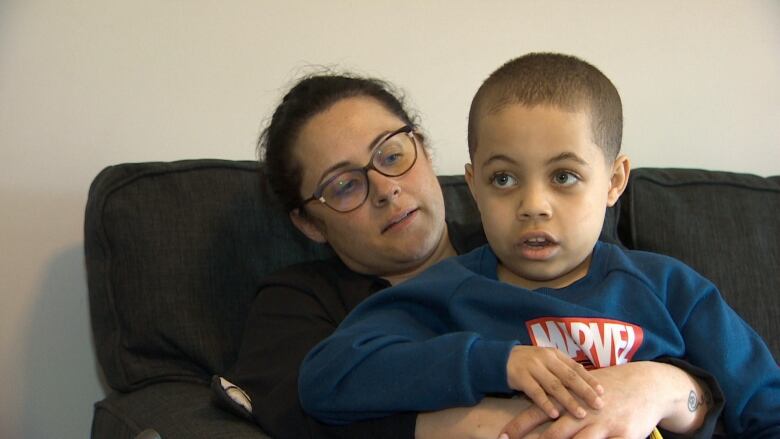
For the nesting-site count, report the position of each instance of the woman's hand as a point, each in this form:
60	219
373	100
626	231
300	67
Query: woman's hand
638	396
482	421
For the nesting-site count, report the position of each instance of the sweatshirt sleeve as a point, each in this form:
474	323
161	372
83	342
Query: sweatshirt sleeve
395	353
719	341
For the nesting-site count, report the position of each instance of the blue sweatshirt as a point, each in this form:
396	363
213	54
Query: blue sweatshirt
443	339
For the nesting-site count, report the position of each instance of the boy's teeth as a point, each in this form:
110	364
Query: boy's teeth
537	242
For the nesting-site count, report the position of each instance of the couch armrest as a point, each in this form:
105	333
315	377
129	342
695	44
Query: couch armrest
175	410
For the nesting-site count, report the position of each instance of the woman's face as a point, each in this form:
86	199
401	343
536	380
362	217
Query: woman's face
401	224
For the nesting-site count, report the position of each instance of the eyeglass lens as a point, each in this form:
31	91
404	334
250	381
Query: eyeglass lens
393	157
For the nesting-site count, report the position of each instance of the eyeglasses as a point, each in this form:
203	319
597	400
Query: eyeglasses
394	156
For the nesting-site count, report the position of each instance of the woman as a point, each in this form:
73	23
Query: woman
349	165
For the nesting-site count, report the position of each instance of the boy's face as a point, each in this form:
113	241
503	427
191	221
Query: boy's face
542	187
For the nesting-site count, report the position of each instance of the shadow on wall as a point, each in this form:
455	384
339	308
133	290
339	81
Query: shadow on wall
60	374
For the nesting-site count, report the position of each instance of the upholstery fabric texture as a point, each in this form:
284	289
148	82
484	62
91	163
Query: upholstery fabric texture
173	252
175	410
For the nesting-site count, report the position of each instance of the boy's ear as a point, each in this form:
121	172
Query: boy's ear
307	226
621	168
469	176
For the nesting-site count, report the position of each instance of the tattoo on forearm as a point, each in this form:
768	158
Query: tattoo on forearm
694	402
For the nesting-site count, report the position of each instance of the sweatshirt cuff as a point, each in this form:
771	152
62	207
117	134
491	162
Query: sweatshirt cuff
487	365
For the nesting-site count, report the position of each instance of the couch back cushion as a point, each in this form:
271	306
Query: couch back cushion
725	225
173	254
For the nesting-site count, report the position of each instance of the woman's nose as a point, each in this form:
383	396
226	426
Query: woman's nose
382	189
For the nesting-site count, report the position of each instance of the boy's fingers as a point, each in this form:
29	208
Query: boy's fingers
537	394
588	389
590	379
587	376
580	381
555	388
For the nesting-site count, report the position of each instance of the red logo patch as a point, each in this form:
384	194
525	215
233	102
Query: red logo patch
593	342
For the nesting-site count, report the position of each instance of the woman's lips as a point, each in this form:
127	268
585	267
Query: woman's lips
399	221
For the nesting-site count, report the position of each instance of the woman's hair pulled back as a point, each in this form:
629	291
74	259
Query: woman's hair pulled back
310	96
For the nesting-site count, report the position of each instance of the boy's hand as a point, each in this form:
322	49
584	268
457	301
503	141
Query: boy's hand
539	372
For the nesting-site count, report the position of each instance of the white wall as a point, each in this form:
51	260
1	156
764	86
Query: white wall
85	84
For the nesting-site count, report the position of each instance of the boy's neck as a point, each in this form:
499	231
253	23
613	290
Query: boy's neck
505	274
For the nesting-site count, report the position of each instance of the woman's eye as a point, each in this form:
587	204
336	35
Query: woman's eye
503	180
391	159
343	188
565	178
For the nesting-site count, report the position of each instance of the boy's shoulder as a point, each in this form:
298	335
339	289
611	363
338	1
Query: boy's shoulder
629	256
452	272
641	260
434	286
656	269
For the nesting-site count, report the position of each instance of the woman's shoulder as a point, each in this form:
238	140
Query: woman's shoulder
328	282
302	273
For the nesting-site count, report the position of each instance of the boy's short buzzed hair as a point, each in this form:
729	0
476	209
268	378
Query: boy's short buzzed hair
558	80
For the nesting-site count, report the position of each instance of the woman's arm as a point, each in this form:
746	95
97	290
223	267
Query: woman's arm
641	396
482	421
285	322
638	396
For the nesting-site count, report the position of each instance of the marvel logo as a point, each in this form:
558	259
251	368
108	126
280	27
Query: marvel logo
593	342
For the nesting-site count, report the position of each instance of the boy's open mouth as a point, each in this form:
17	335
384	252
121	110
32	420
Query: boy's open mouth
537	246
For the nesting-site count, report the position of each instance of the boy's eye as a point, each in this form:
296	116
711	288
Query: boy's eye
502	180
565	178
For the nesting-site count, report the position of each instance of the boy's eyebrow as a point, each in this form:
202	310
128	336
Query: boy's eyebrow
567	156
345	163
499	157
558	158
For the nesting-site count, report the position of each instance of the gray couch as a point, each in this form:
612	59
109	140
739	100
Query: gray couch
174	251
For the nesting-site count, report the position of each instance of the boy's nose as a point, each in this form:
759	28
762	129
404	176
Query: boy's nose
534	205
382	189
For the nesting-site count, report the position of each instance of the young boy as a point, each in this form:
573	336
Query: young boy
544	141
